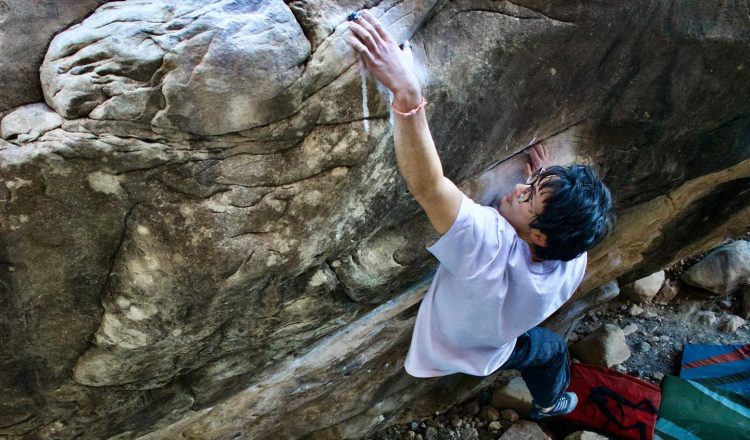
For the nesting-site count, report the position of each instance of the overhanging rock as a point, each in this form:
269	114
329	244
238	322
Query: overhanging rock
216	241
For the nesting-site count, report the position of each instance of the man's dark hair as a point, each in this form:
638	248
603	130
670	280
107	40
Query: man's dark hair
577	211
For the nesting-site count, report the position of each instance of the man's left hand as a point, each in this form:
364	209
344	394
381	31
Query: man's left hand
538	159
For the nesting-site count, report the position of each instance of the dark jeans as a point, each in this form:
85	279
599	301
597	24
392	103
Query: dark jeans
542	357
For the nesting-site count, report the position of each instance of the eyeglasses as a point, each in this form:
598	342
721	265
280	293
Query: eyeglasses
531	182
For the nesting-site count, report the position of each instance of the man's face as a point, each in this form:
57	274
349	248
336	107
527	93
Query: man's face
521	206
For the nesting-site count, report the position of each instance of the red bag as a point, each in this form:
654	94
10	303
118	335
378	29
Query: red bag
615	403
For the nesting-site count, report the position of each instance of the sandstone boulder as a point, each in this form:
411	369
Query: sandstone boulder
514	395
645	289
524	430
489	413
218	236
564	320
730	323
722	271
706	318
605	346
668	291
202	67
29	122
509	415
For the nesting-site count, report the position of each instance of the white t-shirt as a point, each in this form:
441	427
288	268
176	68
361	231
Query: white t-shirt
487	291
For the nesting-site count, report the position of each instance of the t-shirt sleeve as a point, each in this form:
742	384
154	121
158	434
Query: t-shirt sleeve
472	242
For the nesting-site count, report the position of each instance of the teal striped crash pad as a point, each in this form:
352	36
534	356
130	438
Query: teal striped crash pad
722	366
692	411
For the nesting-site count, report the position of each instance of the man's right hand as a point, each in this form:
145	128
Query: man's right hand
390	65
417	157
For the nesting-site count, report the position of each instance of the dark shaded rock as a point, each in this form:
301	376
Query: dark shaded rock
509	415
27	28
745	295
489	413
669	290
472	408
564	320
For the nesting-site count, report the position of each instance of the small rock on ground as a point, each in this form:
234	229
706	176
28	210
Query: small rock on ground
509	415
605	346
514	395
585	435
722	271
645	289
524	430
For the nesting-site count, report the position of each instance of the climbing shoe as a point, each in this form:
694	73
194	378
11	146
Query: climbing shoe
564	405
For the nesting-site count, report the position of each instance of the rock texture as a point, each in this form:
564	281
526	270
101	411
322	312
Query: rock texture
645	289
606	347
217	238
585	435
25	31
202	67
564	320
513	395
524	430
668	291
29	122
723	271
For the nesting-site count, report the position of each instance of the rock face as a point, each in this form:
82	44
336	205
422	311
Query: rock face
27	28
216	242
563	321
29	122
197	66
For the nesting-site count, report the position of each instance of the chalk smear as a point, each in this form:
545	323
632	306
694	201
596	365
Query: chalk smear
365	110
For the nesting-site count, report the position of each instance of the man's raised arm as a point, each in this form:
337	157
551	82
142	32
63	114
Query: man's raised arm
417	157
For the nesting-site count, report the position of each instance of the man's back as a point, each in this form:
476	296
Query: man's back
487	291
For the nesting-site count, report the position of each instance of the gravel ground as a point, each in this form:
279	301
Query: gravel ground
656	346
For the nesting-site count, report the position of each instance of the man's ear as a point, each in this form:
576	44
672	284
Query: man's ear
538	238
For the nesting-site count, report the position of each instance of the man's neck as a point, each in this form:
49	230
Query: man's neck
531	246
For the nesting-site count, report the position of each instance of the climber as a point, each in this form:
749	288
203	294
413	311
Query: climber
503	269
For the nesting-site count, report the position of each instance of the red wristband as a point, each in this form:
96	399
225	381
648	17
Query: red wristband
413	111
